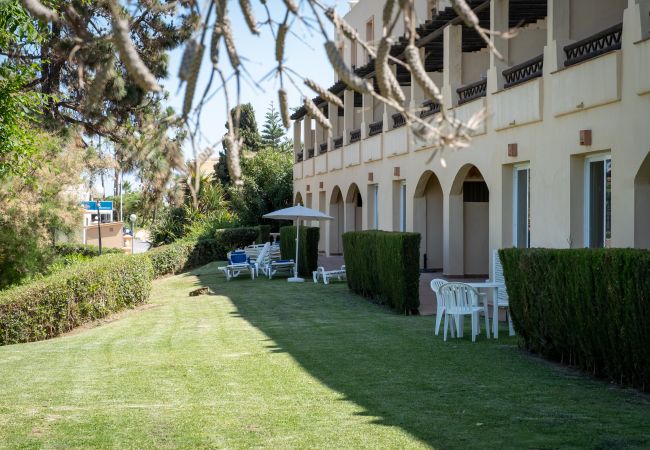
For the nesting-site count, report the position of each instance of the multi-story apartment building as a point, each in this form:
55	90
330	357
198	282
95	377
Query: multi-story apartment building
562	160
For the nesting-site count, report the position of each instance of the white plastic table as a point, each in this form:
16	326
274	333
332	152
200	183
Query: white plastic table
495	309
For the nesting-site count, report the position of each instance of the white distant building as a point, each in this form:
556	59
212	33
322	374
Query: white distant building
561	161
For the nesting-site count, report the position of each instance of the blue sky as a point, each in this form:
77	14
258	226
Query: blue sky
304	54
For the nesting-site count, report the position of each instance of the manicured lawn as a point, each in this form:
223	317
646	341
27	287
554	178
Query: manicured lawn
275	365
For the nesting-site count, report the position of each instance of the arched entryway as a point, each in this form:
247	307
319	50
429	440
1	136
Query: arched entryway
298	199
427	220
337	211
642	205
469	226
353	209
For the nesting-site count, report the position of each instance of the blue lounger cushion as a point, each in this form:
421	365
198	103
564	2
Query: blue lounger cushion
238	258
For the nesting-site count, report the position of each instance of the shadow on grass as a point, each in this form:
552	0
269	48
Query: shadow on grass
453	394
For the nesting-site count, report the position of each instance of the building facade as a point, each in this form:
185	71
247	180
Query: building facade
562	159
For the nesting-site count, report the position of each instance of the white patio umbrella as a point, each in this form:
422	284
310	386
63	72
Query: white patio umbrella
297	213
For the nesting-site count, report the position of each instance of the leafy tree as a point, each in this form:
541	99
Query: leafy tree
250	136
213	212
18	142
78	67
247	126
33	215
268	185
273	132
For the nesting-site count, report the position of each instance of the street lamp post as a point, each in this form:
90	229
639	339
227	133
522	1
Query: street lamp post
99	226
133	218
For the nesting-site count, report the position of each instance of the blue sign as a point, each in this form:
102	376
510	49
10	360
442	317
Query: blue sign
92	206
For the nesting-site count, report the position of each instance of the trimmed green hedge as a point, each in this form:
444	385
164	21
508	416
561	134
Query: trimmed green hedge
187	253
92	289
232	238
309	237
83	292
264	234
384	266
584	307
68	249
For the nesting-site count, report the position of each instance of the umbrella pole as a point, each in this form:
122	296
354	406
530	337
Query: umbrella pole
296	278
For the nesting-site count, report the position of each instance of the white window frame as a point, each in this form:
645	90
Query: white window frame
402	206
515	202
587	194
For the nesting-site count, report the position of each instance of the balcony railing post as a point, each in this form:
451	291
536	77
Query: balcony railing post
297	136
558	32
307	132
499	23
368	106
452	62
641	12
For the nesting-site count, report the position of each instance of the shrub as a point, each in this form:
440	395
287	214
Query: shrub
188	253
584	307
91	251
233	238
169	227
264	234
84	292
384	266
171	258
309	237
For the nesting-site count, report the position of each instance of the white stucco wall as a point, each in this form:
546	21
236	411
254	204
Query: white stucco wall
549	144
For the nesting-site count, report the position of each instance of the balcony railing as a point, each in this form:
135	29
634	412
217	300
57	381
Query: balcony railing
398	120
375	128
596	45
525	71
299	157
338	142
471	91
323	148
355	136
310	153
431	109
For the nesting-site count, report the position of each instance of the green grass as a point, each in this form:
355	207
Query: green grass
278	365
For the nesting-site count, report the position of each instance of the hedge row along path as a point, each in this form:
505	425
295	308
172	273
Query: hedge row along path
274	365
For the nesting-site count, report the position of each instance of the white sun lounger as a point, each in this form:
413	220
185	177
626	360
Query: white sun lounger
272	263
327	275
237	263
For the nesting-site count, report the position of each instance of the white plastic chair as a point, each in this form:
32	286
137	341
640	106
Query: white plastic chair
502	300
436	284
461	300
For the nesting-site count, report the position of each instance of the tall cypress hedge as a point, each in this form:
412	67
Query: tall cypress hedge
309	237
585	307
384	266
